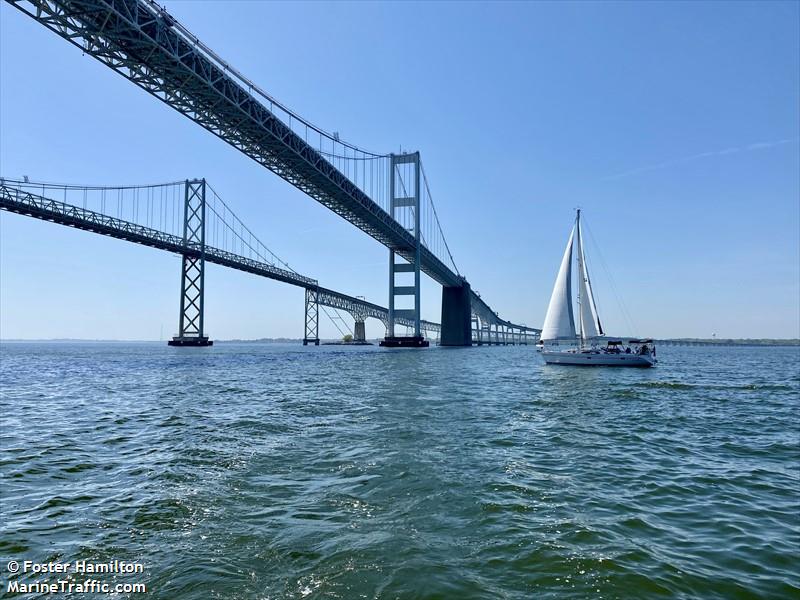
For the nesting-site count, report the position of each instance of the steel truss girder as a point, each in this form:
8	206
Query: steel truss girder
362	310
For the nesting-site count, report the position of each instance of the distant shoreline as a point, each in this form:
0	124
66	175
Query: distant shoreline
671	341
729	342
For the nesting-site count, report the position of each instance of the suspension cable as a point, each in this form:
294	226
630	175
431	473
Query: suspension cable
436	216
195	42
228	210
332	320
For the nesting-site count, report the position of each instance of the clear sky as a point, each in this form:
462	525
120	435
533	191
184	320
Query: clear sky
674	125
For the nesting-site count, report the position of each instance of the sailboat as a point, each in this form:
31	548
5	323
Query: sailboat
561	345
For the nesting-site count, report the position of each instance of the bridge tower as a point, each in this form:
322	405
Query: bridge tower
190	323
404	196
312	317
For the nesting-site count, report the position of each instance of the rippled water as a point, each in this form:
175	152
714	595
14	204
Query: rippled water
264	471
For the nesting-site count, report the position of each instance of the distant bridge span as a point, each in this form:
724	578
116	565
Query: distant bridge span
18	197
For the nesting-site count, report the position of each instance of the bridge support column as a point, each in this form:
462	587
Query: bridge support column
456	316
312	318
360	331
190	323
404	196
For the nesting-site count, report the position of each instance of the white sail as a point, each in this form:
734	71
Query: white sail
559	322
590	321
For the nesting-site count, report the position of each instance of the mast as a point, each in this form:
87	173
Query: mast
579	258
590	321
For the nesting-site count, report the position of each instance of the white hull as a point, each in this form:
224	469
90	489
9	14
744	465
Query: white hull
595	359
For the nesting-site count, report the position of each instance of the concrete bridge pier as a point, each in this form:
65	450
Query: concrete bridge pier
359	330
456	316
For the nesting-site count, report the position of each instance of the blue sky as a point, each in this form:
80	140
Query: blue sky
673	125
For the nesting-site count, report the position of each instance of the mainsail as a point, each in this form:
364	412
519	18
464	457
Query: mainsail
590	321
559	322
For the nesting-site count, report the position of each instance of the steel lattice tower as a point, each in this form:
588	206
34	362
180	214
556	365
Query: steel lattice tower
190	324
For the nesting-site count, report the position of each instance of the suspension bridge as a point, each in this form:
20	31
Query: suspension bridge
385	195
189	218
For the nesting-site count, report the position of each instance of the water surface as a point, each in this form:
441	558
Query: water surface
278	471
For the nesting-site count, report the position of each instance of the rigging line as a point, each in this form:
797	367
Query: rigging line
625	313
